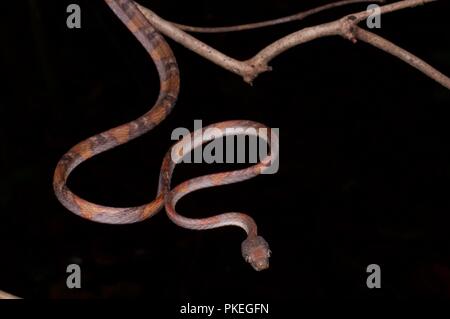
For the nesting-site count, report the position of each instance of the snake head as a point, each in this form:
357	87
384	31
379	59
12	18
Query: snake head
255	251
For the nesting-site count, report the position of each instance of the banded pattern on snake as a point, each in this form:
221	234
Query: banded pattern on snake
255	249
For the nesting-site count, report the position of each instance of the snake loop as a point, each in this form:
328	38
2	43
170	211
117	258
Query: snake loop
255	249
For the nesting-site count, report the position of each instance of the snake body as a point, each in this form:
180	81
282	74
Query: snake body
254	248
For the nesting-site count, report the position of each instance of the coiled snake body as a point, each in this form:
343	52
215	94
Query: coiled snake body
255	249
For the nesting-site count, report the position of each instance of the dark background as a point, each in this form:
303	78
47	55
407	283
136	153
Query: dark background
364	157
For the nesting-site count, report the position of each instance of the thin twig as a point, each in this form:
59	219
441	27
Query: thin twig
392	7
257	25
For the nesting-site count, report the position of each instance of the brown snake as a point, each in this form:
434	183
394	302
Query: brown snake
255	249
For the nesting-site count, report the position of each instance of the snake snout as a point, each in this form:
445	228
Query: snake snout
260	264
255	251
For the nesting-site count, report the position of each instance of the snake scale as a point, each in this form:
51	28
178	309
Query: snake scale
254	248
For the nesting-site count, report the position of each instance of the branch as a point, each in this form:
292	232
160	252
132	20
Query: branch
345	27
5	295
257	25
202	49
402	54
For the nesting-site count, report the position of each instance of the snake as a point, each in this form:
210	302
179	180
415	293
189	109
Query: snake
254	249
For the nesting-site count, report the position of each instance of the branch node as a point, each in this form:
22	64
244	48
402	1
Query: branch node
249	78
347	29
257	67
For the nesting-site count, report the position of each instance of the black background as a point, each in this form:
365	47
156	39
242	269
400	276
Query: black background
364	157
